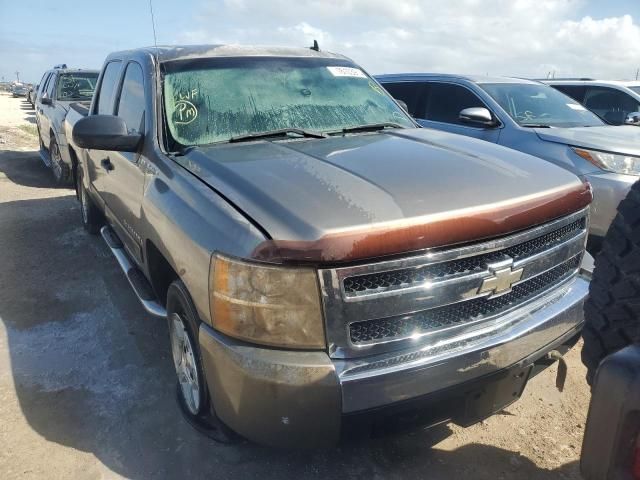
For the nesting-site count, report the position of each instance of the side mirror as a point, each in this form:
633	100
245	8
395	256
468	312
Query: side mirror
46	100
403	104
632	118
105	132
478	116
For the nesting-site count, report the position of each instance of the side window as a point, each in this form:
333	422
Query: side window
50	85
43	83
610	104
411	93
574	91
131	104
107	90
446	101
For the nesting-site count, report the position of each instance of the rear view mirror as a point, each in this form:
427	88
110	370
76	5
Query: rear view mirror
632	118
478	116
105	132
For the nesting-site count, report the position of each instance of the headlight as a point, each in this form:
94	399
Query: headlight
613	162
276	306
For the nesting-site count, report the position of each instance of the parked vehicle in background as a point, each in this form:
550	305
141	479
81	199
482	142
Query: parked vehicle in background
536	119
310	247
18	90
615	102
31	95
59	89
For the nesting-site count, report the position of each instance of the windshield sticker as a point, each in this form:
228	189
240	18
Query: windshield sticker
575	106
346	72
185	113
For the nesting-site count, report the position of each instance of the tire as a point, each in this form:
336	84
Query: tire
612	311
92	219
61	171
192	390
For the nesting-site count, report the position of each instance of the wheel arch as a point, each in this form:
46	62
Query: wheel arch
161	272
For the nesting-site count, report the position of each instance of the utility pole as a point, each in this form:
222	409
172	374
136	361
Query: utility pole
637	73
18	76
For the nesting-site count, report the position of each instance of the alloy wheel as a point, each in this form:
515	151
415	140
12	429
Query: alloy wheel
184	361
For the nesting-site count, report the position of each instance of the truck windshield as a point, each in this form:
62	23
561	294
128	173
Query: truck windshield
77	86
214	100
534	105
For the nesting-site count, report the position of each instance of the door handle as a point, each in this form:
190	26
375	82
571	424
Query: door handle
106	164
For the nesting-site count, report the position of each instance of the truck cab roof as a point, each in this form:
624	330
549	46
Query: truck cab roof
479	79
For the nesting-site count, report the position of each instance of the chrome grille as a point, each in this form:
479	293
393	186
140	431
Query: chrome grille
421	299
463	312
398	279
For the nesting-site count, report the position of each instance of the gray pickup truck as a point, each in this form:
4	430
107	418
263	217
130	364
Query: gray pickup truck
324	265
59	88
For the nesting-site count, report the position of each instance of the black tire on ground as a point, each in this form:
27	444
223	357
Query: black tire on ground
61	171
180	309
612	311
91	216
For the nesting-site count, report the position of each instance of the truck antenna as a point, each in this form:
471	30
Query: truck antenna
315	47
153	25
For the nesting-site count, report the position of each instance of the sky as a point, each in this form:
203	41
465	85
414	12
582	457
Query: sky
525	38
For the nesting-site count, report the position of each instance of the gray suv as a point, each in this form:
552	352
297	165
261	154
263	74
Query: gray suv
534	118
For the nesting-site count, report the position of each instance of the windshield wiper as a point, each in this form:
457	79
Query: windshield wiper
283	132
372	127
535	125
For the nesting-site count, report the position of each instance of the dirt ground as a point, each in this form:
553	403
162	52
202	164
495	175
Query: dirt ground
87	386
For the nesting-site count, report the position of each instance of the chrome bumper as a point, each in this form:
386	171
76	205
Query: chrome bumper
288	398
609	189
526	336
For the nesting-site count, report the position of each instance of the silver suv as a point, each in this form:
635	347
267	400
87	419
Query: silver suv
616	102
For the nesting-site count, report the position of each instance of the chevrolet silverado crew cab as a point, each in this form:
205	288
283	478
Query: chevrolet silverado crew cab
60	88
323	264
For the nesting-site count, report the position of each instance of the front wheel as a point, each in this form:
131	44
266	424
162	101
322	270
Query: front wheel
92	219
61	171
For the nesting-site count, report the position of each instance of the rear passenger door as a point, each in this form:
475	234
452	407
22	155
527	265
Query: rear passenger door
98	160
443	105
610	104
124	182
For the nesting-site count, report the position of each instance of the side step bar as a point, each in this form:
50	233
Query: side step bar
136	278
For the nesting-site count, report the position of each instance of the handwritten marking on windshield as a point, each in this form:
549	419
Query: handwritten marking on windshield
186	112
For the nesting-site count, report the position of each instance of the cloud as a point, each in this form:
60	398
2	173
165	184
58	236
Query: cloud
499	37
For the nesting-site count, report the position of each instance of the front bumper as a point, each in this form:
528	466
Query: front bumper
287	398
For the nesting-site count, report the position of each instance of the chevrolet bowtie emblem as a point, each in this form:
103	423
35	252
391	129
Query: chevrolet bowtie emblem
502	279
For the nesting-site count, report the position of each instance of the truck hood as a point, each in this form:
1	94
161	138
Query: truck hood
371	195
620	139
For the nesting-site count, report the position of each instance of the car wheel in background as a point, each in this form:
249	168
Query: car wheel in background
92	218
612	311
61	171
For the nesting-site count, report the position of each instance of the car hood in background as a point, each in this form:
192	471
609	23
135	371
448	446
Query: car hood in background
370	195
620	139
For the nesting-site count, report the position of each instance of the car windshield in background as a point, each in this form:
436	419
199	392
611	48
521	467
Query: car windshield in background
215	100
76	86
533	105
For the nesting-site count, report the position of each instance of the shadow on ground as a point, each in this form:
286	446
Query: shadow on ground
26	169
92	371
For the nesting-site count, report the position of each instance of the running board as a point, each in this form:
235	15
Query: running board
137	280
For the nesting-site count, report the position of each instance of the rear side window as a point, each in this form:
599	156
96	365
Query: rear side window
43	83
411	93
610	104
446	101
574	91
108	86
131	104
